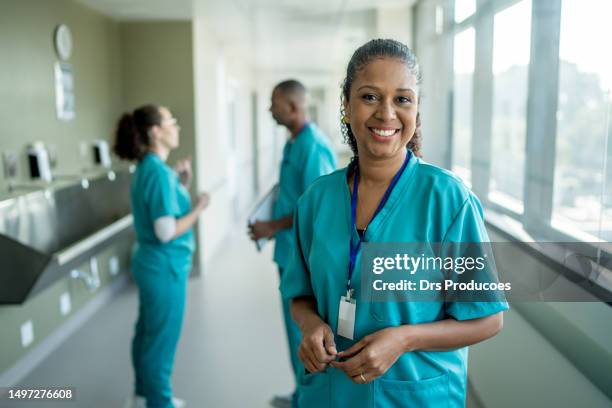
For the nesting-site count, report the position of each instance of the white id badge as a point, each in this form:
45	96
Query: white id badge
346	317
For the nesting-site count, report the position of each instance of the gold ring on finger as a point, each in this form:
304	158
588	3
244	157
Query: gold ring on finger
363	378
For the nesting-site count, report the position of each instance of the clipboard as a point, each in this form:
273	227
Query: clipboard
263	211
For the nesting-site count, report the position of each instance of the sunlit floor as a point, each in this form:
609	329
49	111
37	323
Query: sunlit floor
232	351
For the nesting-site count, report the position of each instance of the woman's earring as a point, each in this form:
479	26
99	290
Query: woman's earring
345	119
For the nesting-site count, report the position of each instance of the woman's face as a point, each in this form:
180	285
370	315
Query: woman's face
382	108
167	133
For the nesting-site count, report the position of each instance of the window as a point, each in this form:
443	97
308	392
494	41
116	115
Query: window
464	9
511	48
582	201
439	16
567	195
463	67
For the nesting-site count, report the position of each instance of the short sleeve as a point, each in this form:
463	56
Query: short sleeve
161	194
295	279
318	163
468	228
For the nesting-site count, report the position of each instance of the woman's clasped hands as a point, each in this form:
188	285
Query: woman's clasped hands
365	361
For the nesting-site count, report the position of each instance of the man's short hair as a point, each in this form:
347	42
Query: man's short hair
292	88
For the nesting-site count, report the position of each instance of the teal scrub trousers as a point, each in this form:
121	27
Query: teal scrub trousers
294	337
162	297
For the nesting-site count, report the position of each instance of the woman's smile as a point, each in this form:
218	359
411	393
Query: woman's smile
382	108
384	134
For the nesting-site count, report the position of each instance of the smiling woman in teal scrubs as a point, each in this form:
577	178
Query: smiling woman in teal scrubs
162	257
410	354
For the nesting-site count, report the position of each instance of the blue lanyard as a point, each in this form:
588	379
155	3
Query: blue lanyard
354	248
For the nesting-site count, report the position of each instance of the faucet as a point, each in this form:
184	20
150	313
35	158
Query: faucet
91	280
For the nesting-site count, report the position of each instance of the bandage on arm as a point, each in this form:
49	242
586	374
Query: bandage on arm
165	228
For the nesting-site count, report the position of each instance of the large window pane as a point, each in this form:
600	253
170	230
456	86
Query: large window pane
463	66
582	203
464	9
511	47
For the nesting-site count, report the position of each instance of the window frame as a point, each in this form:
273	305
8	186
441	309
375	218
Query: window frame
457	29
536	220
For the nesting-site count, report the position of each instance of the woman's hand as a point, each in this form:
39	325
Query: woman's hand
317	348
183	168
202	201
187	221
372	356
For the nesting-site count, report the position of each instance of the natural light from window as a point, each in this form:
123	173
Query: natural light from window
582	204
511	48
464	9
463	67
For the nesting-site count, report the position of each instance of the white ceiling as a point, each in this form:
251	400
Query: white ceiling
131	10
277	35
134	10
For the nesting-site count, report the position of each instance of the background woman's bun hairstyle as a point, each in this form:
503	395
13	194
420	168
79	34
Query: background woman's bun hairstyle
376	49
132	138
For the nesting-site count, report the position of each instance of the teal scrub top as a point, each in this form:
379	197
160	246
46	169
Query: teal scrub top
305	158
157	192
428	204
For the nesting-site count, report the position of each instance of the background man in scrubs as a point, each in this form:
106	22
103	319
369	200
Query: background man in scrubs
307	155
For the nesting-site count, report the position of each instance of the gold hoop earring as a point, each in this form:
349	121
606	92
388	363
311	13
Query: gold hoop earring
345	119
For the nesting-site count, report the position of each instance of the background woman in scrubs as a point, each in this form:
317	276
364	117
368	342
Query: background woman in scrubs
404	354
162	257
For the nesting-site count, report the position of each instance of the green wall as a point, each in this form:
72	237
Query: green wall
27	92
157	65
44	309
27	113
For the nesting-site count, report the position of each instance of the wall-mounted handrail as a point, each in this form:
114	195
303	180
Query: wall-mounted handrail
86	244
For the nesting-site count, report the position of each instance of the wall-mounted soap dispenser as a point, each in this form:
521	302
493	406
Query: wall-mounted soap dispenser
101	153
38	161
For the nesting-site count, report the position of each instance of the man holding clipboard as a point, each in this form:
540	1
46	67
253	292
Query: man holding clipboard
263	211
307	155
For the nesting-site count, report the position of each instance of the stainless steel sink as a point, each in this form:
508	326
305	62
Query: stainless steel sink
46	233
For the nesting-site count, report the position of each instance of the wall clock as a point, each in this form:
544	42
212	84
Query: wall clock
62	39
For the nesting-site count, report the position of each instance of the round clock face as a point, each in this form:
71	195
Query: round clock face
63	41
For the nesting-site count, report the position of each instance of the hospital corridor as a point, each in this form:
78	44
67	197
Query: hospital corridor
290	204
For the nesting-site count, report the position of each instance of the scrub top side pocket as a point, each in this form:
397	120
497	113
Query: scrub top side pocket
314	390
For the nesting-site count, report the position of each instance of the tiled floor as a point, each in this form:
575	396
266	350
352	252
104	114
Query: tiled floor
232	351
